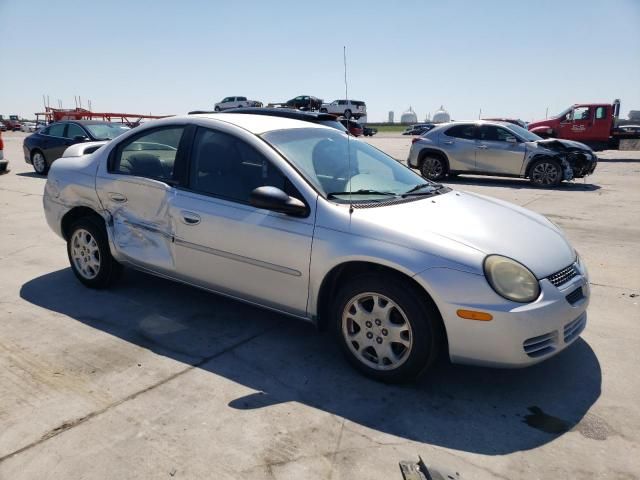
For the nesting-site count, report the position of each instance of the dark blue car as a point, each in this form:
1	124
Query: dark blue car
49	143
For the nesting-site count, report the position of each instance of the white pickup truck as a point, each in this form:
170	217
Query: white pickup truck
345	108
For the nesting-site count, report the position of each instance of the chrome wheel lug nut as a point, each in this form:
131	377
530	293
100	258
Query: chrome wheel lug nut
378	322
385	332
379	340
368	324
369	335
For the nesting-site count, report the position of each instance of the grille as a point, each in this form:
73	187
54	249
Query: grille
563	276
575	296
541	345
573	329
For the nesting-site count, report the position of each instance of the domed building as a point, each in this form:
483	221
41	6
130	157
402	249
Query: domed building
441	116
409	116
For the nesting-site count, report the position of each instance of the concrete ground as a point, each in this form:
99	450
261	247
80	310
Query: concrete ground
153	379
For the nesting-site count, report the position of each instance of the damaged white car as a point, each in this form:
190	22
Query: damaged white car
303	219
499	149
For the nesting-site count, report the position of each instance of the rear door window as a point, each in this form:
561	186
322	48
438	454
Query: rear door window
57	129
462	131
151	154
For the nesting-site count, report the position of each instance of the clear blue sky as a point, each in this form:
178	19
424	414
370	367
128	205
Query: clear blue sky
510	58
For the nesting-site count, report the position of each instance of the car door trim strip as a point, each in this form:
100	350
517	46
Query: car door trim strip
238	258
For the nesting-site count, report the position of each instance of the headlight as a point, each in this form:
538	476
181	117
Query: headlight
511	279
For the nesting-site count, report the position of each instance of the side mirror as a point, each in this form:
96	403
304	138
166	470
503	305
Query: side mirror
80	138
272	198
511	140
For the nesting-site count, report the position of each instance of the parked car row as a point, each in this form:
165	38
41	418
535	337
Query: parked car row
342	108
395	272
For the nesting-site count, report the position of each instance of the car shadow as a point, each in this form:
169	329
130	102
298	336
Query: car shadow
480	410
31	175
519	183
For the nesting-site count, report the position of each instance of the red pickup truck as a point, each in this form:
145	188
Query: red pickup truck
12	124
594	124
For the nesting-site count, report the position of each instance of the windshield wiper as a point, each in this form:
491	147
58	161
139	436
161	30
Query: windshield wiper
414	190
361	192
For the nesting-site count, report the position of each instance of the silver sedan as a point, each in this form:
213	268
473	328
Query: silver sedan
305	220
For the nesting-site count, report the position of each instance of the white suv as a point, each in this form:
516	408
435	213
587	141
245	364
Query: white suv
345	108
235	102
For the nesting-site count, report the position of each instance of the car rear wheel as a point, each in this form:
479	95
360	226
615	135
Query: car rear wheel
89	254
545	172
39	162
385	328
433	168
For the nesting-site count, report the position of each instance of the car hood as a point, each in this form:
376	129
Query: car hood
558	145
485	224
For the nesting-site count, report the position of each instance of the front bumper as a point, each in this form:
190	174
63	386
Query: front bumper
519	334
27	155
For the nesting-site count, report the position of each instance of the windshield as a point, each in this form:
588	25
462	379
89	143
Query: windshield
523	132
563	113
337	165
106	131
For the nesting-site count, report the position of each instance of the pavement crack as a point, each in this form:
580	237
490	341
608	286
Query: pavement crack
337	449
70	424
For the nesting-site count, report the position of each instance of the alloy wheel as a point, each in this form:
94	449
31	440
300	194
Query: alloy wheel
39	163
432	168
377	331
85	254
545	174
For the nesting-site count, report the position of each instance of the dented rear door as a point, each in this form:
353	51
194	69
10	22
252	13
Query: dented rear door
137	191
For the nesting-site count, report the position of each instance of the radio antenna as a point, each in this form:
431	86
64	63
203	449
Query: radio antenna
346	95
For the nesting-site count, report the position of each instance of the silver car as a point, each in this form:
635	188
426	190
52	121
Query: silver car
305	220
501	149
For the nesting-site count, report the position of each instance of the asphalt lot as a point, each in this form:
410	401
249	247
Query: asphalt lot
153	379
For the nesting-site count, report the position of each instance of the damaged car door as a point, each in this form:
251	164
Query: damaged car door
136	189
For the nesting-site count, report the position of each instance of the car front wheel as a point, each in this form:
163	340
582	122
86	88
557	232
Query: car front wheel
386	329
89	254
39	162
545	173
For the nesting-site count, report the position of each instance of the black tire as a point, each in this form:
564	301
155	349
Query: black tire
323	110
39	162
433	167
109	269
216	109
347	114
420	313
545	172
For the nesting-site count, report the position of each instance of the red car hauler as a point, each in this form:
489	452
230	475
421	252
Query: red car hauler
594	124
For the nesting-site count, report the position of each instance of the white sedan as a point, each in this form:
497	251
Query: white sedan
305	220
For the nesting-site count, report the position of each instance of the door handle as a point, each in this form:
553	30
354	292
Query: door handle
117	197
484	147
190	218
448	142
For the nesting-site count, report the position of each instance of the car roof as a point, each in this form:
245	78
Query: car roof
258	124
